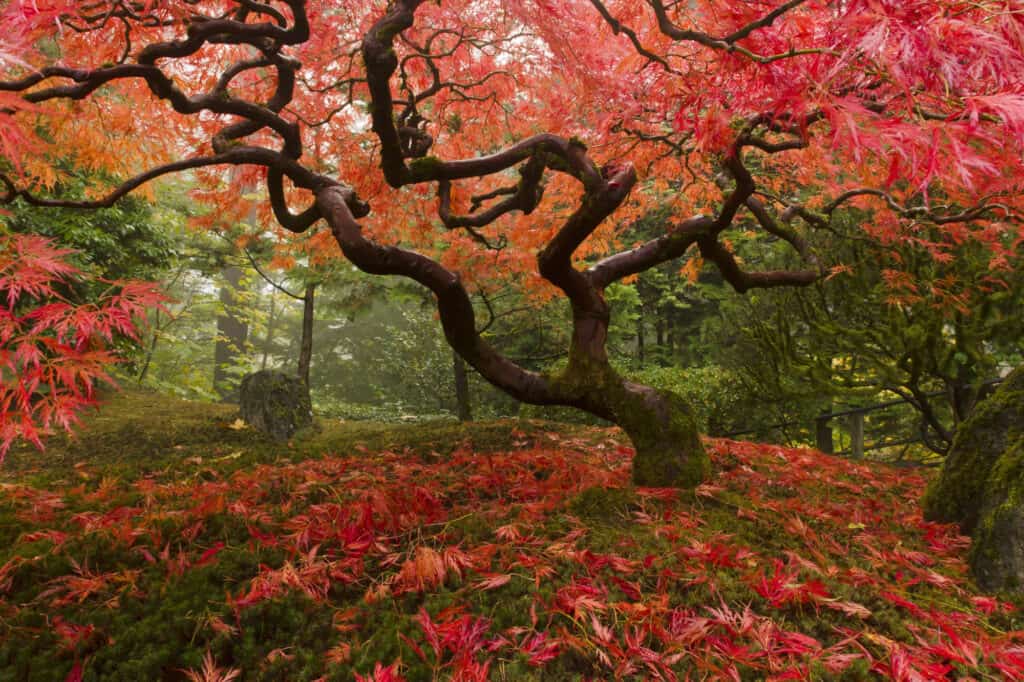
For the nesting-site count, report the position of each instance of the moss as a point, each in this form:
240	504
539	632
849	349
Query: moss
958	493
167	435
427	168
982	486
661	425
604	505
668	447
556	162
857	670
998	542
472	528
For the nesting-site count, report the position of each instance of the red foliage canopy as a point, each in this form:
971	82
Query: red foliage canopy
472	138
53	352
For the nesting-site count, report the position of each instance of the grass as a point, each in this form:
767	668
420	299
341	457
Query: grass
162	541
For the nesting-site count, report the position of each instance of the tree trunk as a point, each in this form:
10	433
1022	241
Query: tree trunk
981	486
640	337
664	432
306	345
271	320
660	424
232	333
463	406
152	348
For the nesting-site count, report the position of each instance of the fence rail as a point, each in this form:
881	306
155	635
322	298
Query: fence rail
854	422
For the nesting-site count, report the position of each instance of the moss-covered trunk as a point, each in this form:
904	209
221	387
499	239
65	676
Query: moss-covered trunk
660	424
966	481
669	452
981	486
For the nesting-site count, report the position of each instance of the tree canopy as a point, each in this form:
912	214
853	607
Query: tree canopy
469	143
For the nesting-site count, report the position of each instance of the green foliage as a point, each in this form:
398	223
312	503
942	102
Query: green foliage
868	336
716	396
389	361
714	393
129	240
667	309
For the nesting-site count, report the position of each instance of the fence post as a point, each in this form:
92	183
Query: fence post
857	435
823	434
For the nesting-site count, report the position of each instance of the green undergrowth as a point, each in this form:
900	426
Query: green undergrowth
140	432
162	541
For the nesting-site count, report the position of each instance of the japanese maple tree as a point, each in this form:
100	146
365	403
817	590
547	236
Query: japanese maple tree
54	351
448	141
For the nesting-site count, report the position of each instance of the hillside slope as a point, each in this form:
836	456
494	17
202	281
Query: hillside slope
165	544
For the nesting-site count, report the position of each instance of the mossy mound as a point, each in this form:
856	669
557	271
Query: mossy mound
137	432
982	486
997	550
599	504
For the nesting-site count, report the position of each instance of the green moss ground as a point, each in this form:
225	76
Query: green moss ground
140	432
500	550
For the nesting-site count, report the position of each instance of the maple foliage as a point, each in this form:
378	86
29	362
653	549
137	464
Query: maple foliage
539	560
54	351
467	142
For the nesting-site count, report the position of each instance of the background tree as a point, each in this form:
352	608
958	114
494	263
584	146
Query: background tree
897	323
129	240
733	113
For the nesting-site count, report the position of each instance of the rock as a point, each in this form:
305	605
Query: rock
981	486
275	403
997	546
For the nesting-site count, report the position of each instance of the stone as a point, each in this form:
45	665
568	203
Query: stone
981	486
275	403
997	546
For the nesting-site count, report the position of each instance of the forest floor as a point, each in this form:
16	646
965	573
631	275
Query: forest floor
167	543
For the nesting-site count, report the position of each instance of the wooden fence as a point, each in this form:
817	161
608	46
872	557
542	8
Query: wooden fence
852	421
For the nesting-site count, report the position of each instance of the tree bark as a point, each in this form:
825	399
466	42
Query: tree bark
271	320
232	333
154	339
306	345
640	336
462	398
664	432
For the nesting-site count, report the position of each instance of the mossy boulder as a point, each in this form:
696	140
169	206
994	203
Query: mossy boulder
997	549
275	403
981	486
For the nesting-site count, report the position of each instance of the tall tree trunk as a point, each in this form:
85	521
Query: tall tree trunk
461	388
152	348
232	333
306	345
640	336
271	322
